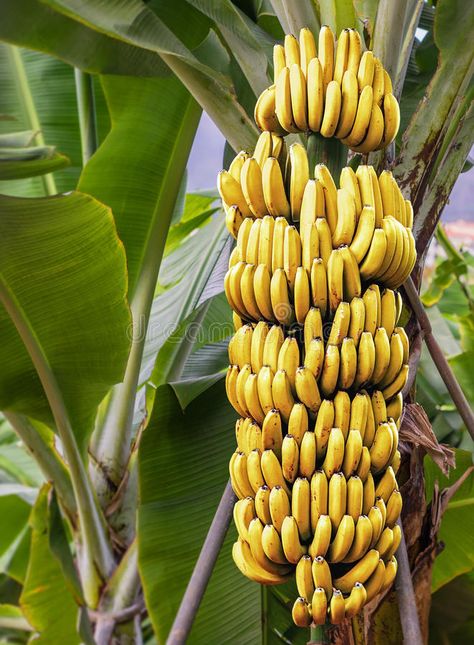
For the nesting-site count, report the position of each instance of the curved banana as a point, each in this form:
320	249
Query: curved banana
279	59
346	221
360	572
385	542
326	54
289	359
314	357
251	182
299	103
283	101
319	606
375	582
233	220
323	426
322	575
332	109
321	172
298	422
272	472
395	408
382	355
301	613
376	519
319	289
254	470
299	174
394	508
363	469
340	324
381	448
358	418
342	412
291	254
364	233
362	540
245	562
391	115
271	544
265	114
251	398
239	474
300	507
274	189
366	70
272	346
309	247
278	243
349	101
244	513
390	572
231	193
313	326
290	458
335	271
255	531
262	505
304	578
282	395
362	119
279	506
352	453
330	371
351	275
325	239
342	55
386	485
231	389
315	90
308	207
290	539
337	608
308	455
348	366
337	499
292	50
397	384
379	408
307	53
355	494
272	434
397	538
262	291
322	536
307	389
301	294
319	499
280	298
356	600
374	134
342	541
375	255
357	321
378	83
365	359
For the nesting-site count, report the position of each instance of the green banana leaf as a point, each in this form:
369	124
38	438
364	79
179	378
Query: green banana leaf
45	589
50	83
182	474
452	614
457	525
137	170
71	298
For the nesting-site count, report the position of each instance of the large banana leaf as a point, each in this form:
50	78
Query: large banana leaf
183	471
457	525
137	170
63	281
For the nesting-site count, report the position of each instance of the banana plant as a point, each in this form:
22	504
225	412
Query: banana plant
107	265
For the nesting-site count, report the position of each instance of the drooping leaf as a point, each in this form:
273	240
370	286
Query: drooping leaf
45	589
457	525
20	168
62	276
137	170
183	471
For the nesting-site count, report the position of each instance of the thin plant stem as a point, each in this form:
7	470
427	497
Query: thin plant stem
97	558
318	635
87	114
406	596
29	109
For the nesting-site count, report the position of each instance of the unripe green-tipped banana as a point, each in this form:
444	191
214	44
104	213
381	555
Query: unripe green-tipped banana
272	433
290	458
272	472
319	499
307	389
304	578
244	513
308	455
322	575
337	499
279	506
298	422
290	539
342	541
262	504
300	507
272	546
356	600
342	413
335	452
322	428
362	540
360	572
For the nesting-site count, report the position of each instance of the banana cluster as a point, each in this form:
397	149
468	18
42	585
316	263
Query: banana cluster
335	89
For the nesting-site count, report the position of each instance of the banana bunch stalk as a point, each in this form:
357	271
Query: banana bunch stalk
334	88
319	359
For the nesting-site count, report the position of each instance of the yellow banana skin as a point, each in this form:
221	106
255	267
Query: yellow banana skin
360	572
247	565
290	457
292	546
264	114
356	600
272	434
342	413
244	513
390	572
362	539
337	499
322	575
308	455
375	582
271	544
394	508
319	499
342	541
279	506
337	609
301	614
262	505
300	507
255	531
272	472
322	537
304	578
319	606
335	453
298	422
323	426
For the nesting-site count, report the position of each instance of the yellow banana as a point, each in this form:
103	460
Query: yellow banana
357	322
242	377
348	367
236	164
370	426
304	578
342	55
262	291
332	109
254	470
382	355
247	292
244	513
330	371
271	544
390	572
385	542
362	539
243	237
394	508
299	175
388	88
351	275
265	112
321	172
290	458
337	499
396	461
272	472
387	191
319	500
374	133
251	182
409	213
252	400
301	613
342	541
280	298
395	408
358	419
310	248
342	412
364	233
234	278
313	326
307	389
298	422
376	519
291	254
271	349
365	73
335	271
299	103
375	582
301	294
319	606
292	50
375	255
308	455
340	324
289	359
352	454
247	565
389	311
355	492
348	180
365	359
322	575
337	608
300	507
307	53
319	289
282	396
405	342
231	389
355	47
272	434
346	221
326	54
323	426
265	242
386	485
363	468
251	255
283	101
278	243
279	60
381	448
231	192
290	539
274	189
262	504
391	115
366	186
397	538
255	541
315	89
308	208
396	360
322	536
378	81
263	148
360	572
379	408
240	476
233	220
378	204
325	239
355	601
362	119
279	504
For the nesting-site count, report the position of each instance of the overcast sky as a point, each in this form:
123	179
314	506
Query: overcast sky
206	161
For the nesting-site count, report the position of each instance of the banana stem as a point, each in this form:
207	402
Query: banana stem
406	596
86	113
319	635
439	358
203	569
330	152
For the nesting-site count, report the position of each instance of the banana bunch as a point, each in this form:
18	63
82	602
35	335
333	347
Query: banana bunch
336	89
